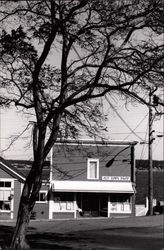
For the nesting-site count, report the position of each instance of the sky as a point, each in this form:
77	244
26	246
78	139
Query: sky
124	123
13	123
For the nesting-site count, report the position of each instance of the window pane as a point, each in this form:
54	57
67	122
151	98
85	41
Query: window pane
1	195
7	184
93	170
42	196
5	205
1	183
63	196
6	195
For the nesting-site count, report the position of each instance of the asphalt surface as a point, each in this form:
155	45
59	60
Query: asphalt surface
92	234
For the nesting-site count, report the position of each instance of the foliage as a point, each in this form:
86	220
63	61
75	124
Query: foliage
58	59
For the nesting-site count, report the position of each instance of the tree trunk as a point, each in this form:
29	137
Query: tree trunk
30	190
19	237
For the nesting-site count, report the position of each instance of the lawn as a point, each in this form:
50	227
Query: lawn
92	234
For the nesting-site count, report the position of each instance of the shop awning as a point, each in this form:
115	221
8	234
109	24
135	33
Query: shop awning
92	186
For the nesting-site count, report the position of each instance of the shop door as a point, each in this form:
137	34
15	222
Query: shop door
91	204
103	205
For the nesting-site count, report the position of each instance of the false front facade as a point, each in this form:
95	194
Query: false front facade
92	179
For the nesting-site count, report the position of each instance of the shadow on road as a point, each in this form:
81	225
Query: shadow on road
39	240
99	239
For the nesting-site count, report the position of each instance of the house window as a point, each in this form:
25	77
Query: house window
5	184
42	197
93	169
5	195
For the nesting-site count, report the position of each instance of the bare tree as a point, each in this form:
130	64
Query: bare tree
60	58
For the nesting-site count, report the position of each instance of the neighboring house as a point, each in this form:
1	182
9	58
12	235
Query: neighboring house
85	178
12	177
142	182
11	183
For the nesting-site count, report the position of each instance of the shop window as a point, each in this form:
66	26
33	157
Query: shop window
64	201
93	169
120	203
42	197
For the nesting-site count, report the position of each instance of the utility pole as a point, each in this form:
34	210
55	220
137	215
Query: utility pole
150	154
150	161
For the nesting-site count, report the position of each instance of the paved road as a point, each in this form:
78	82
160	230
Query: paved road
94	234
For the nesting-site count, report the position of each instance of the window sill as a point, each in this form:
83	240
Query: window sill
96	179
5	211
42	202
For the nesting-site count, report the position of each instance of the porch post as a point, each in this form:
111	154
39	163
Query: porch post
75	206
108	205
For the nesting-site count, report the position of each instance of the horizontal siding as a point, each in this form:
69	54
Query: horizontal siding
63	215
41	210
120	215
5	216
17	195
70	161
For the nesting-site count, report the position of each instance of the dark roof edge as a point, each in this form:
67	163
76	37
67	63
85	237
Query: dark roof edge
96	142
10	169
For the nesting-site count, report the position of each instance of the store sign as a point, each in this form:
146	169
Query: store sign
116	178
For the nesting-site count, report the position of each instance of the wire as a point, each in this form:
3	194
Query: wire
144	146
132	131
116	133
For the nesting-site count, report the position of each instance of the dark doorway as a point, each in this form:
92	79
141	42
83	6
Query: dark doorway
103	205
94	204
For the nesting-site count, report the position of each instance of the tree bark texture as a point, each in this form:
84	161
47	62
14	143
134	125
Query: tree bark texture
29	194
27	202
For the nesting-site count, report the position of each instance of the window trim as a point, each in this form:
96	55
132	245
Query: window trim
42	191
12	192
88	168
7	180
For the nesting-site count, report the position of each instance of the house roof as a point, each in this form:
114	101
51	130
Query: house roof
20	168
11	169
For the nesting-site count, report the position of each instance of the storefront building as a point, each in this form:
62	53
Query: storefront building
83	179
92	179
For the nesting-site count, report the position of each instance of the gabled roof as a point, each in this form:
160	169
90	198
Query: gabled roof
11	170
19	169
